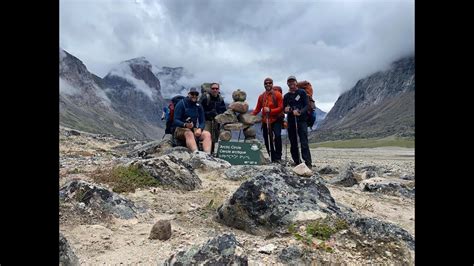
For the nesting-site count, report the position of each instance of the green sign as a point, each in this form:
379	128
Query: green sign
238	153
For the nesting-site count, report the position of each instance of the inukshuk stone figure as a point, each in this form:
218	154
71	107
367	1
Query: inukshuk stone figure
237	118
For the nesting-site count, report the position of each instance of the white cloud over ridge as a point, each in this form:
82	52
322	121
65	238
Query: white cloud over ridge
239	43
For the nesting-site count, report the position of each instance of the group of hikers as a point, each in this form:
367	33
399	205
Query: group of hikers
193	119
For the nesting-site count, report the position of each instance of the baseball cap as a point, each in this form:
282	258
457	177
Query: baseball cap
291	78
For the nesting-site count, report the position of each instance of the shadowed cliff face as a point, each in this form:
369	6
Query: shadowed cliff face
127	103
380	105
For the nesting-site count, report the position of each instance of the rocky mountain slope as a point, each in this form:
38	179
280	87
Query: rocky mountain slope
127	102
380	105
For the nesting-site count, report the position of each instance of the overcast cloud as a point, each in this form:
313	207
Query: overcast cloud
239	43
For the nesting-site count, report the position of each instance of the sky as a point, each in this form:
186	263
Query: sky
332	44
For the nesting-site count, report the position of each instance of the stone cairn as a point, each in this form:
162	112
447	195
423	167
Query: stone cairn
237	118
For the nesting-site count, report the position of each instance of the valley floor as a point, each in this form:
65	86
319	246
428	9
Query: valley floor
191	213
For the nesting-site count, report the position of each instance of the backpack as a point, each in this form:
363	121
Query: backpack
277	88
311	116
169	118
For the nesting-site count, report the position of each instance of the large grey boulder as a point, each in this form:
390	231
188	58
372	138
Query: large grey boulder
91	198
171	171
66	254
221	250
271	200
243	172
328	170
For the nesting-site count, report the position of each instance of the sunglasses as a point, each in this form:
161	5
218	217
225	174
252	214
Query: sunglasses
214	89
194	94
268	83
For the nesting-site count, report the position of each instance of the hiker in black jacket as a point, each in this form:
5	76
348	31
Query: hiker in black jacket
296	105
213	104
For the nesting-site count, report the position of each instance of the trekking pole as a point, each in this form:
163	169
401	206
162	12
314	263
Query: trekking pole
238	139
296	135
269	139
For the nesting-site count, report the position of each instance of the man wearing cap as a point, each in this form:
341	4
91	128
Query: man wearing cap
189	122
296	105
270	102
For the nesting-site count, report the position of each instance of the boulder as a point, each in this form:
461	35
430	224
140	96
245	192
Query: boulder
204	161
407	177
161	230
386	186
172	171
66	254
244	172
346	178
150	149
221	250
249	119
239	96
272	199
226	117
239	107
94	199
328	170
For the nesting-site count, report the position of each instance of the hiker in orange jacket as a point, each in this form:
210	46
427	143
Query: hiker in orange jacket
270	103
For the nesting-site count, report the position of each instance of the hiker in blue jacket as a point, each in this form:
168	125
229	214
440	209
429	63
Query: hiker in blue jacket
189	122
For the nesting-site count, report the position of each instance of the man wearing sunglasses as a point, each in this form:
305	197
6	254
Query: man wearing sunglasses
189	123
213	104
270	103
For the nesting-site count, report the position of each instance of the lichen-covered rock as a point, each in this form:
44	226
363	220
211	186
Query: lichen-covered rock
239	96
150	149
172	171
221	250
66	254
226	117
98	199
204	161
249	119
250	132
243	172
346	178
385	186
234	126
272	200
328	170
161	230
225	135
239	107
291	255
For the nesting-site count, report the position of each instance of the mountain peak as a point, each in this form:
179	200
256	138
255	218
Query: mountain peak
138	61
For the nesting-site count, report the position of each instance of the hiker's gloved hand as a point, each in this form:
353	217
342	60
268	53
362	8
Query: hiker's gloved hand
296	113
189	125
266	109
197	132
